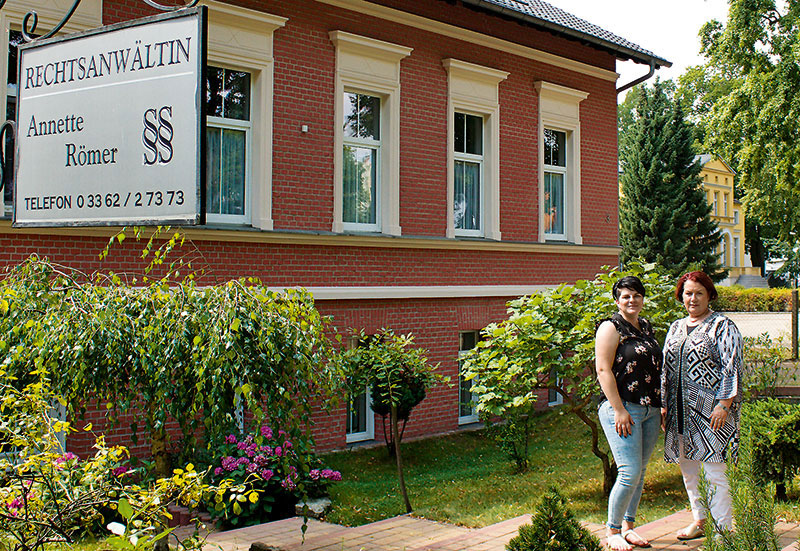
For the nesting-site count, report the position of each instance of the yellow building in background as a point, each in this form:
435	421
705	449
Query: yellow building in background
729	214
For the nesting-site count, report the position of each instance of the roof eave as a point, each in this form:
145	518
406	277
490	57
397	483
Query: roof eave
620	51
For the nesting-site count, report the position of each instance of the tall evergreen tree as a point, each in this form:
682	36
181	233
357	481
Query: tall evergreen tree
664	214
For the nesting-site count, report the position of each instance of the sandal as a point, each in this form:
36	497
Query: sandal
615	542
640	541
693	531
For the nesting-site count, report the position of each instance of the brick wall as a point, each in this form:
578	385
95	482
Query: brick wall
303	187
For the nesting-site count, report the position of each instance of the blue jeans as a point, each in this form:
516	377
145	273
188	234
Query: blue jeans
631	454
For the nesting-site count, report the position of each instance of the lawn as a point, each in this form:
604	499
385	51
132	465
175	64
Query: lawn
465	479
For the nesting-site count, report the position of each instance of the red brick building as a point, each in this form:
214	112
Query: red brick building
415	164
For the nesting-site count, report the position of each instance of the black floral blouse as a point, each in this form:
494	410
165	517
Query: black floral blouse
637	363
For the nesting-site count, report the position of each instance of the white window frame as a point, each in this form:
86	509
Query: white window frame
479	160
559	109
247	127
559	398
566	195
716	203
474	90
725	204
241	39
736	217
473	417
370	144
735	252
371	67
369	434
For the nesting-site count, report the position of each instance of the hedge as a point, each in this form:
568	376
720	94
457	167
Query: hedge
739	299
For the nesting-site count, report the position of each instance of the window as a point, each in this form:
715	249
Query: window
467	412
227	145
554	398
559	163
716	203
735	259
473	132
360	161
736	217
239	129
723	259
555	175
366	162
360	419
725	204
468	174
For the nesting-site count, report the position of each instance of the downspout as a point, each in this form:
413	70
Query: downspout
640	79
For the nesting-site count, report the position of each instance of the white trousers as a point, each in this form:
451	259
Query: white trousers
721	505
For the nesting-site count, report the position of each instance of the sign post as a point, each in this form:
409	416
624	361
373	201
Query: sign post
110	125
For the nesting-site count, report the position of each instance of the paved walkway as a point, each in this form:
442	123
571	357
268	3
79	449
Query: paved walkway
407	533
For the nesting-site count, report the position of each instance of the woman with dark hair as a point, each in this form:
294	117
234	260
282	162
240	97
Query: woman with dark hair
628	361
701	385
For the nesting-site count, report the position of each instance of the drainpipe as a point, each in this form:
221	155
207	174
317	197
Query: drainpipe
640	79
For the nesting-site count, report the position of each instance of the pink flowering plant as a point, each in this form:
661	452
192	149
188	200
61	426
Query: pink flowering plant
276	472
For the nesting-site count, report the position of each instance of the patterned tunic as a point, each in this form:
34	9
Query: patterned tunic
637	363
703	366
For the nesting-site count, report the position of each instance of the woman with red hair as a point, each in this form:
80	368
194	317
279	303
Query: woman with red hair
701	386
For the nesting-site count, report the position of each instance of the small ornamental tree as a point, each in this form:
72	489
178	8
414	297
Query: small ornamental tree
167	349
547	343
553	527
398	374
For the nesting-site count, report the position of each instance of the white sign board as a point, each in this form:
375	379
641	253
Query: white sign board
109	125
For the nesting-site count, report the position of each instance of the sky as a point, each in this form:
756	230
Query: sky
668	28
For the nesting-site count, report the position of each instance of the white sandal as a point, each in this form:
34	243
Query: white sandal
646	543
693	531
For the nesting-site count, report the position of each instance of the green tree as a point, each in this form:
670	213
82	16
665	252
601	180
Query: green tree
548	343
755	123
169	351
396	371
553	527
699	89
664	215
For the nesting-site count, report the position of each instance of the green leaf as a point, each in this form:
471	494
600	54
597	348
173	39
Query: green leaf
125	509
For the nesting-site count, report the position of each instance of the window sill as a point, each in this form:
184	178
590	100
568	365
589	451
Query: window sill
249	234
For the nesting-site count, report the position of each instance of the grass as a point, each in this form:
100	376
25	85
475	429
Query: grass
465	479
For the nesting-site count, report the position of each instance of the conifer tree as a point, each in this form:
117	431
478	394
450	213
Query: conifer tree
664	215
553	528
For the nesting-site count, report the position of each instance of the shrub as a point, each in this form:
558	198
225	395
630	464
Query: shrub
547	342
772	429
268	473
553	528
48	496
762	365
167	351
753	509
739	299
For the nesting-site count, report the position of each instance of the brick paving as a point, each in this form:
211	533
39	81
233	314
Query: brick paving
407	533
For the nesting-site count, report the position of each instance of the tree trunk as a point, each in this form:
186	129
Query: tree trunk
609	468
158	447
398	456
